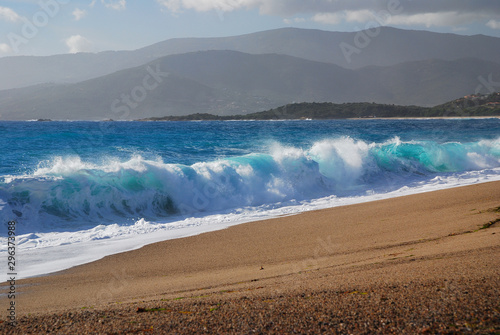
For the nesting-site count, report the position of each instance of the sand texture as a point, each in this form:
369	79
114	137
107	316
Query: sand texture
426	263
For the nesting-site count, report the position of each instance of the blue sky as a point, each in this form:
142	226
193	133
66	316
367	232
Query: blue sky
47	27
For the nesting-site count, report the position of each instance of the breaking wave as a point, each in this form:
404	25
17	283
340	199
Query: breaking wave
66	193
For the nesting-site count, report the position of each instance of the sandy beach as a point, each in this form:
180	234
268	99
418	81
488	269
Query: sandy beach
426	263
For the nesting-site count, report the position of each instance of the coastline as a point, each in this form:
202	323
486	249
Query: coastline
280	119
432	118
424	239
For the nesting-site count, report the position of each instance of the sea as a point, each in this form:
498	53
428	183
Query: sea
78	191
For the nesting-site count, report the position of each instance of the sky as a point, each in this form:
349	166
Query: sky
48	27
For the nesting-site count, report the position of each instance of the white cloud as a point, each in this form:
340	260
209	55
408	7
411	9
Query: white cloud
92	4
285	7
416	13
441	19
264	6
328	18
79	14
361	16
78	43
8	14
5	48
444	19
493	24
115	4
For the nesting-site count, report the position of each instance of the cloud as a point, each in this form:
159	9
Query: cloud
5	48
328	18
79	14
8	14
444	19
115	4
493	24
363	15
219	5
284	7
360	16
408	12
78	43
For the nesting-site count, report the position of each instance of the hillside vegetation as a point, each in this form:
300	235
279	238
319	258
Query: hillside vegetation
475	105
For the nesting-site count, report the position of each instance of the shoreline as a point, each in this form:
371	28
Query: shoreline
274	120
162	236
411	240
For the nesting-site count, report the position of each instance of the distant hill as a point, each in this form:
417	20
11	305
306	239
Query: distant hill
389	47
471	105
93	99
308	110
229	82
468	106
423	83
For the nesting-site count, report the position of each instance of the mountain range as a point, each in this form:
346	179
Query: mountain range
250	73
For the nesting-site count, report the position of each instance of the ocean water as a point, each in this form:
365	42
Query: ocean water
81	190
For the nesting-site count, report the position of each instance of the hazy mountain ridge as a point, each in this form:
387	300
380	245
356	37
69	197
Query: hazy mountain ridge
389	47
93	99
229	82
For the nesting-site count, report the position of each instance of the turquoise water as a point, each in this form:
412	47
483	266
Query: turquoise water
72	182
